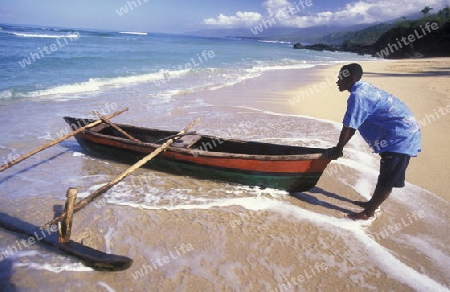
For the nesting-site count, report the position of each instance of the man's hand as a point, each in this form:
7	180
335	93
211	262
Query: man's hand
334	153
345	136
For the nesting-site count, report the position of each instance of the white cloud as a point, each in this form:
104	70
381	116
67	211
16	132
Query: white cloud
356	12
368	11
244	19
274	7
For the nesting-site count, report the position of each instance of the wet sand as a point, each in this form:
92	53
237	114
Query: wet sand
186	234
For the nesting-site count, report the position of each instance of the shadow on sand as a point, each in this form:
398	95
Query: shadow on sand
30	167
437	72
313	200
6	272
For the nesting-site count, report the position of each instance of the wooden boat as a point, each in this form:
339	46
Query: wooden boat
290	168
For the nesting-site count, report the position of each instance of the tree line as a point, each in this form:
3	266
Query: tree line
405	38
426	36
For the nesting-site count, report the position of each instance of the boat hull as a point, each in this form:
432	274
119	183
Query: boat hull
293	175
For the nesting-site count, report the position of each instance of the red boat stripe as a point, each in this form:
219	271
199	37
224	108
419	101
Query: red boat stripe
273	166
263	166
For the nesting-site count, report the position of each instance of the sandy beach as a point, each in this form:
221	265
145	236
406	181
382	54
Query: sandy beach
420	83
186	234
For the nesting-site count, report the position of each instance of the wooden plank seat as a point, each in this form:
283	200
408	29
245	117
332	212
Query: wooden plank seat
187	141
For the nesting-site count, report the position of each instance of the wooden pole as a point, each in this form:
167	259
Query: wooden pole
60	235
121	176
66	229
106	120
56	141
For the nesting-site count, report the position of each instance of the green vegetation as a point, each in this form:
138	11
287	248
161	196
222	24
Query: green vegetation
365	36
426	10
428	36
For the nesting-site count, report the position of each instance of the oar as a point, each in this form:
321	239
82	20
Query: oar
56	141
121	176
106	120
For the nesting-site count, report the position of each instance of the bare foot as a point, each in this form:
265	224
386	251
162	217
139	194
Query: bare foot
358	216
361	204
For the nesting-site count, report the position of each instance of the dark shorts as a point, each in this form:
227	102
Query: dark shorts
392	169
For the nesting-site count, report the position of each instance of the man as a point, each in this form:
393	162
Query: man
386	124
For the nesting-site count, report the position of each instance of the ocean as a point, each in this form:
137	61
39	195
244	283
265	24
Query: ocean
186	234
58	64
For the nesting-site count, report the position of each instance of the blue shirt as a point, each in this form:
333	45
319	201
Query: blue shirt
384	122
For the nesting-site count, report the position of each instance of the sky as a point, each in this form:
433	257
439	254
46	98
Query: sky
178	16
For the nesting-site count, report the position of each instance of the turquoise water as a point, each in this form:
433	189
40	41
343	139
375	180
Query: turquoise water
39	62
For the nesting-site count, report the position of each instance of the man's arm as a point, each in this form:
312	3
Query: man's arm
345	136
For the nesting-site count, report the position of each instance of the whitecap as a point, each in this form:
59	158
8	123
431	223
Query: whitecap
133	32
39	35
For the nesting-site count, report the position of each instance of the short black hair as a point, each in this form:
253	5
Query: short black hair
353	70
